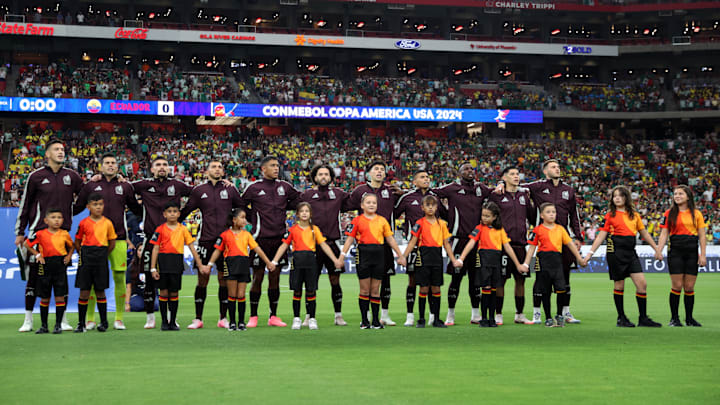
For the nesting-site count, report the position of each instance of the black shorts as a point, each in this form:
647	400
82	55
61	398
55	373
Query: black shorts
324	261
622	263
568	263
304	271
93	270
205	250
549	272
683	255
370	262
411	261
389	260
471	263
508	267
52	276
147	255
428	266
237	268
491	269
170	281
269	247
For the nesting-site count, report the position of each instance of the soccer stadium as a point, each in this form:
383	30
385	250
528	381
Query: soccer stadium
295	197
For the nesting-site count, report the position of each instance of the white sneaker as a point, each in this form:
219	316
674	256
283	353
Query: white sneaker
150	323
306	321
339	321
27	325
410	321
537	318
475	318
431	318
499	319
90	325
387	321
64	324
450	320
196	324
312	324
520	318
119	325
570	319
297	323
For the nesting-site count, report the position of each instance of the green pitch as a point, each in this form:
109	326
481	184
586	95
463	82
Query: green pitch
594	362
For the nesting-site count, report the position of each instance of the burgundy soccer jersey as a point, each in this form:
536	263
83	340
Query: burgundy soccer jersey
327	203
46	189
116	196
215	203
267	202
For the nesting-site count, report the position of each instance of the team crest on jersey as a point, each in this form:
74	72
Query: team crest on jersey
522	200
66	180
203	196
223	194
331	194
385	194
171	191
415	203
546	191
461	192
118	190
566	195
45	181
281	190
315	195
478	191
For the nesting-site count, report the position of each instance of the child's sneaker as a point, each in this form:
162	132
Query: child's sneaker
438	324
492	323
537	319
252	322
241	326
102	327
232	326
27	326
377	325
549	323
174	326
296	324
312	324
410	320
42	330
364	325
119	325
150	323
306	321
420	323
275	321
339	321
58	329
164	326
484	323
196	324
65	325
450	320
520	318
223	323
90	325
499	319
80	328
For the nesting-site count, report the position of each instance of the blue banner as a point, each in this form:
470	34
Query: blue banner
175	108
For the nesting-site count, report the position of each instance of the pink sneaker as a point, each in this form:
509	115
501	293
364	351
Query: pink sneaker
196	324
223	323
275	321
252	322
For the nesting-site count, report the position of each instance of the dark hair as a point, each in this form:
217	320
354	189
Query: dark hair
52	142
495	210
171	204
629	207
95	197
53	210
310	222
268	158
674	210
430	200
234	213
215	160
158	158
547	162
545	205
107	155
418	171
507	170
375	163
317	168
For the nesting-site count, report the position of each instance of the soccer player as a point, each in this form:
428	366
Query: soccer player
304	237
215	200
95	239
117	196
410	204
155	193
51	186
328	202
491	239
620	226
685	226
233	245
53	253
371	231
387	195
465	198
267	202
516	212
430	234
553	190
166	262
548	238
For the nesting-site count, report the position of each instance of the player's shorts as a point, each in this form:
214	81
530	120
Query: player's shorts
549	272
146	255
472	261
237	268
622	263
205	250
508	267
389	260
428	266
93	269
52	276
170	281
491	269
411	260
568	263
304	271
269	246
118	256
324	261
370	261
683	255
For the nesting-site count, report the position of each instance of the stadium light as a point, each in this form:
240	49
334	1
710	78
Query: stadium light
556	31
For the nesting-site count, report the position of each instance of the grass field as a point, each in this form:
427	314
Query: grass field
594	362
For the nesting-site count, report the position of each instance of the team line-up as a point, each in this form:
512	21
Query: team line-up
485	236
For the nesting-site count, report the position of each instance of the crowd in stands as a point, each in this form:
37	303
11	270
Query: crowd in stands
59	79
649	168
170	83
643	94
697	94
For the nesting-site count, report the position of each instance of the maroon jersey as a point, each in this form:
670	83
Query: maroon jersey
563	196
215	203
116	196
155	194
267	202
465	200
327	203
516	211
386	200
410	203
46	189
